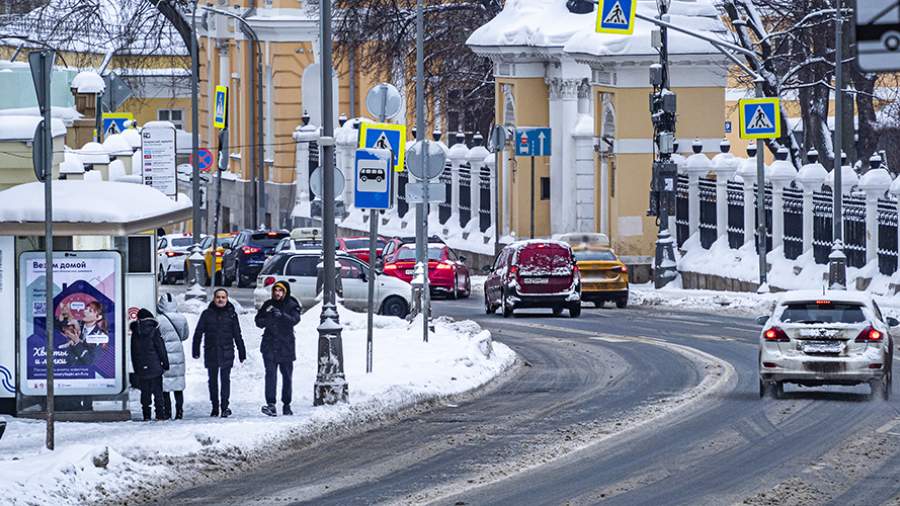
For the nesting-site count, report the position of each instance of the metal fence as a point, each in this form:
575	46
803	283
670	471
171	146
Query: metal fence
445	210
484	208
465	194
854	219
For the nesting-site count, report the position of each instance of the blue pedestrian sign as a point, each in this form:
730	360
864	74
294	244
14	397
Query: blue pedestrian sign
116	122
533	141
760	118
385	136
372	179
616	16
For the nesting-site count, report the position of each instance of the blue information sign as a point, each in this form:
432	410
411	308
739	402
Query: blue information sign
372	177
533	141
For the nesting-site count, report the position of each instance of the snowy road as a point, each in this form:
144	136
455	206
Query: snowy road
570	427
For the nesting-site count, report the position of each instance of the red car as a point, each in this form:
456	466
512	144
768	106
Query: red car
534	274
447	274
359	247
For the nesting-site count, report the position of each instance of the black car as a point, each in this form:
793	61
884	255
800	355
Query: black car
246	255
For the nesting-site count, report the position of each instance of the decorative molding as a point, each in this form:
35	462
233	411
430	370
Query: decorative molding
564	89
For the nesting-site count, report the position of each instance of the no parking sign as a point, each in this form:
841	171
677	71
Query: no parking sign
205	159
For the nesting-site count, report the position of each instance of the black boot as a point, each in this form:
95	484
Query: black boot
287	410
269	410
146	413
226	412
215	411
179	413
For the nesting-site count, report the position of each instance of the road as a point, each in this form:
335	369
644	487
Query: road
602	411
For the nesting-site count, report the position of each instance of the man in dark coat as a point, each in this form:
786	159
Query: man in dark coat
149	360
277	318
220	332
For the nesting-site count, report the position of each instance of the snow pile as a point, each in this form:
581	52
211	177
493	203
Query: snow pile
114	202
22	128
106	462
88	81
548	23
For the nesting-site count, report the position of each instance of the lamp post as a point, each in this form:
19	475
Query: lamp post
331	386
195	126
837	260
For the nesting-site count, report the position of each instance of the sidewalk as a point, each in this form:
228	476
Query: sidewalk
104	462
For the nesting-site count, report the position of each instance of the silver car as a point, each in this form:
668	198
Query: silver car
815	338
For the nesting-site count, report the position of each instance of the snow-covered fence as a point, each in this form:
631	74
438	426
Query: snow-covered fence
798	214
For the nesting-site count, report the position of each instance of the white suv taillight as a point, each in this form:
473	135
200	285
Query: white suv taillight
775	334
869	335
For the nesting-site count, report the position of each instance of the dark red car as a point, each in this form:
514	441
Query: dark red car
534	274
447	274
359	247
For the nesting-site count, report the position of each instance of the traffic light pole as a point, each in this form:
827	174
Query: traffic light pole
665	268
422	208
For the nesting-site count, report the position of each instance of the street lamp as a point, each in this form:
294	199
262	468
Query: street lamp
256	108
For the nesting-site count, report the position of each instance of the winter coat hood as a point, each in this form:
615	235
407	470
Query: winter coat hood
166	304
144	326
284	286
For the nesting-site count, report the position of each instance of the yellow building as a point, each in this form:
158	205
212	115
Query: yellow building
553	69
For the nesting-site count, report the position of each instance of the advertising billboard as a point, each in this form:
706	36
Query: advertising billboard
7	325
89	338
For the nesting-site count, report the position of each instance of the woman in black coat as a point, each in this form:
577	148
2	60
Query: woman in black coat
149	360
220	332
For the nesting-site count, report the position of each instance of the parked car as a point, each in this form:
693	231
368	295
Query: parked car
300	270
815	338
447	274
212	256
604	277
393	244
245	256
359	247
534	274
171	252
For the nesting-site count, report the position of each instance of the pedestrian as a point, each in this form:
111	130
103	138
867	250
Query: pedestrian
149	360
220	332
277	318
174	329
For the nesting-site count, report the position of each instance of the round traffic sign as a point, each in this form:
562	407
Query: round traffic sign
383	101
435	158
315	182
205	159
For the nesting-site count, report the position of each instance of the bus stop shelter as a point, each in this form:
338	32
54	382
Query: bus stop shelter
104	268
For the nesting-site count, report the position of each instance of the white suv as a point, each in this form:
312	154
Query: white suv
299	268
171	251
816	338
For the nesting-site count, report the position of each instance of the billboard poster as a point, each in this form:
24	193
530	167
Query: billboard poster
7	325
158	162
88	342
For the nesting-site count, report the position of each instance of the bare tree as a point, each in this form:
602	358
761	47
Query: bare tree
380	34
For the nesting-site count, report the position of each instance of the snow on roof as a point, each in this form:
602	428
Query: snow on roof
117	145
548	23
88	81
133	137
832	295
111	202
92	153
22	128
66	114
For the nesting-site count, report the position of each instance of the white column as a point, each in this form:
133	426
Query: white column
585	190
506	209
747	173
810	177
874	182
725	168
563	115
476	158
781	173
457	156
303	135
490	163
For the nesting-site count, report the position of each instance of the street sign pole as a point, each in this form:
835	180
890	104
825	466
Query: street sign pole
195	127
422	209
837	260
532	197
41	63
762	244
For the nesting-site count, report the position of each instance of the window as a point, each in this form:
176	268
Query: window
304	266
545	188
175	116
588	255
823	312
350	269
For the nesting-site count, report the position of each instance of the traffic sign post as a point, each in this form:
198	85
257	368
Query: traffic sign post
116	122
533	142
317	186
372	179
435	160
416	192
878	35
760	118
220	114
385	136
205	160
616	16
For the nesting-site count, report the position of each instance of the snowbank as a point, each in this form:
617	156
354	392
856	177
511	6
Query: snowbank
109	461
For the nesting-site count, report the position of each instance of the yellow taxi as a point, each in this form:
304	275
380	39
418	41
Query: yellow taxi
214	255
604	277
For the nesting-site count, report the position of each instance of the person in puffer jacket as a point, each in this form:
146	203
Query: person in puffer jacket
150	361
277	317
174	330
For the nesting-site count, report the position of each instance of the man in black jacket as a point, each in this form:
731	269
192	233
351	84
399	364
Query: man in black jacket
149	360
277	318
220	332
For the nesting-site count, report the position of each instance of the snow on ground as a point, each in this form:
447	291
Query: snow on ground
95	461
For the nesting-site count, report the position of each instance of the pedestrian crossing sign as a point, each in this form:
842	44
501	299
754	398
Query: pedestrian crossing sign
116	122
616	16
760	118
385	136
